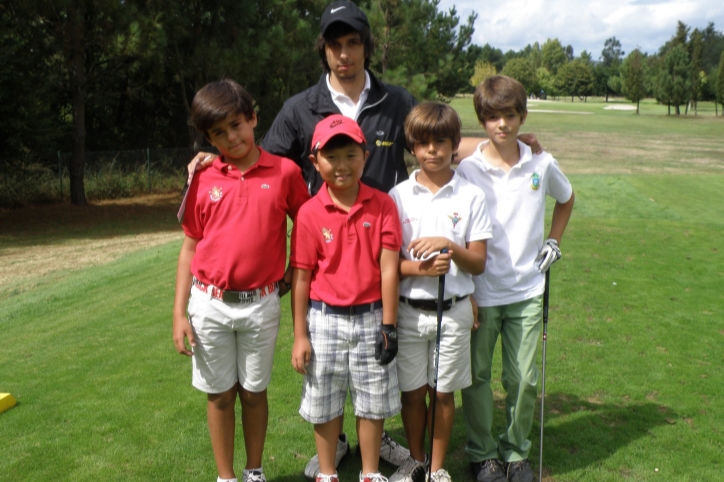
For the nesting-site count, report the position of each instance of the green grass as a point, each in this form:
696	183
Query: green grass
634	365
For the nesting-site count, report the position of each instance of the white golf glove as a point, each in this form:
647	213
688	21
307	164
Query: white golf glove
548	254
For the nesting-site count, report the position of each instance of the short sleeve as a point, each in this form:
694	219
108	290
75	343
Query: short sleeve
558	185
193	217
391	229
303	252
480	227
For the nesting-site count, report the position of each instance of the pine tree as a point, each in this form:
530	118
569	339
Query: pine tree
633	72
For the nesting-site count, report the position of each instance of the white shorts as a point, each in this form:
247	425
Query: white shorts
234	342
416	337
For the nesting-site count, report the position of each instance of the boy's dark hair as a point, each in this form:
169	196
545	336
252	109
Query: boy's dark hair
340	29
497	94
432	120
340	141
216	100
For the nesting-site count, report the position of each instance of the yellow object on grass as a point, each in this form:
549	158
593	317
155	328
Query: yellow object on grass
6	401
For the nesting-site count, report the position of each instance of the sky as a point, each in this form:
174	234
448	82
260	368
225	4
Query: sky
583	24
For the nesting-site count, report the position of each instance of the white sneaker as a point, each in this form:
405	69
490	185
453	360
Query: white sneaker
440	475
312	469
410	471
253	476
392	452
376	477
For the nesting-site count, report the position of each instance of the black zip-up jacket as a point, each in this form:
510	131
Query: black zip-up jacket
381	118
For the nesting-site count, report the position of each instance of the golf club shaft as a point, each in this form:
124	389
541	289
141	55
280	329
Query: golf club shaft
433	401
546	294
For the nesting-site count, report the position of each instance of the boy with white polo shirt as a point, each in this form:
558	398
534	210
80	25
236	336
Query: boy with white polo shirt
232	317
345	249
509	293
438	210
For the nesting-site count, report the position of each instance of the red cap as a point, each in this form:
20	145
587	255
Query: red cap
335	125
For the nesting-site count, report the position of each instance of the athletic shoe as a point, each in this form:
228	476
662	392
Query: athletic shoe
312	469
376	477
411	470
253	476
392	452
519	471
490	470
440	475
326	478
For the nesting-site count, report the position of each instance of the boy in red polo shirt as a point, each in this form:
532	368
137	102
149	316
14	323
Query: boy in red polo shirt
345	249
233	310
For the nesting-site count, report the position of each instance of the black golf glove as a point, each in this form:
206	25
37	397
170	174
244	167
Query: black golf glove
386	344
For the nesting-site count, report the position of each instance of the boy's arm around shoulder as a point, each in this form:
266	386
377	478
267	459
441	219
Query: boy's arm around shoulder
181	327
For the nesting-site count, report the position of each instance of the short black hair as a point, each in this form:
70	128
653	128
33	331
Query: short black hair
340	29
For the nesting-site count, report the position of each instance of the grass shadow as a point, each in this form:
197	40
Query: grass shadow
58	223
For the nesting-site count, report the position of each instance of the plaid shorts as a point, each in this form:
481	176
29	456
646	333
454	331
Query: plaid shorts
343	357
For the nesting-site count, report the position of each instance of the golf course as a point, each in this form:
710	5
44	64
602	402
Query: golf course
634	365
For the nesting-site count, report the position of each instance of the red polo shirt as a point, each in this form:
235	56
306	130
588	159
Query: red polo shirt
240	221
343	249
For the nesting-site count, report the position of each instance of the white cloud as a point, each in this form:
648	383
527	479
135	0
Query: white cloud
585	25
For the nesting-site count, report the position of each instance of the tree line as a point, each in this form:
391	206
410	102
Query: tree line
79	75
688	68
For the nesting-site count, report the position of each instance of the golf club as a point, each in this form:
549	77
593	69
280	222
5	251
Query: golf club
543	370
433	401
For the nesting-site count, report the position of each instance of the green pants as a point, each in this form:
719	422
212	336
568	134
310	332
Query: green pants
519	326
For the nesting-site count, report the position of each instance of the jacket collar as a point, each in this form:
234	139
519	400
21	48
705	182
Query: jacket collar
320	99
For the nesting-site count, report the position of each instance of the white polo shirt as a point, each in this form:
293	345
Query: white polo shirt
347	106
516	203
456	211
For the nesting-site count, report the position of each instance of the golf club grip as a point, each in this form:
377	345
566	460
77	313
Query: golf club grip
440	296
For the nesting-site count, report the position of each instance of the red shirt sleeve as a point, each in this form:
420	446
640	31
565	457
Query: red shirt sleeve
391	228
303	247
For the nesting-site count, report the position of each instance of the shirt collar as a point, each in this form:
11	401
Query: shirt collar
265	160
419	188
337	95
365	193
526	155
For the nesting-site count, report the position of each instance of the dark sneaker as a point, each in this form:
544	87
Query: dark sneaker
520	471
490	470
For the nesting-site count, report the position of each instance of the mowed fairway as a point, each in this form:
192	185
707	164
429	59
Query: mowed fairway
636	327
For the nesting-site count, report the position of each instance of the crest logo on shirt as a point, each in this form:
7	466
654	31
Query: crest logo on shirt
535	181
327	235
215	194
366	224
455	218
265	186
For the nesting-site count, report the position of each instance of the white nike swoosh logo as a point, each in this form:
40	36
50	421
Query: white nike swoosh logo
336	9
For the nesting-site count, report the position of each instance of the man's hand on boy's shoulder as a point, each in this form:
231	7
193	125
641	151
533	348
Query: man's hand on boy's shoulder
201	161
530	139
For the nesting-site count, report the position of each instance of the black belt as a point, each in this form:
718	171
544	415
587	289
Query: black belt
431	305
346	310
